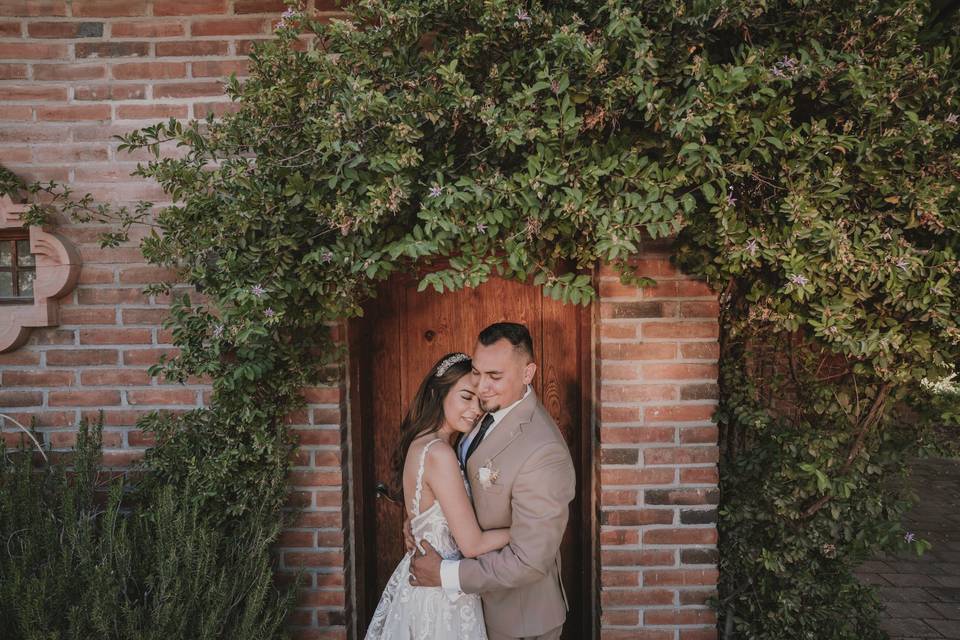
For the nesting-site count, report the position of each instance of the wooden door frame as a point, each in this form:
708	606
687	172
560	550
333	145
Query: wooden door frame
355	502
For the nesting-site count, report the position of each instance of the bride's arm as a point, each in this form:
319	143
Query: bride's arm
442	475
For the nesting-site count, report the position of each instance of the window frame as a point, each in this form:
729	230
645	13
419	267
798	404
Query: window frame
13	236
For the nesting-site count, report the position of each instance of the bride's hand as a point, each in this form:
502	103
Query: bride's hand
408	540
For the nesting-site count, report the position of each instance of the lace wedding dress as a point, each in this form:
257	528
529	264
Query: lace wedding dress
426	613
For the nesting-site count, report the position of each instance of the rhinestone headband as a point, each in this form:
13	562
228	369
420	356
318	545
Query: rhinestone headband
449	361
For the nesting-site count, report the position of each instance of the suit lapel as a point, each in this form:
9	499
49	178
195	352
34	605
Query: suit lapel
508	430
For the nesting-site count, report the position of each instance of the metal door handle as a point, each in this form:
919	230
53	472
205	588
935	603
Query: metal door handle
383	492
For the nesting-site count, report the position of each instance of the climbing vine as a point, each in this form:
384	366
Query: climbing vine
802	154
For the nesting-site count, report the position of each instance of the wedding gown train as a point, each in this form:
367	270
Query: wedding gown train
426	613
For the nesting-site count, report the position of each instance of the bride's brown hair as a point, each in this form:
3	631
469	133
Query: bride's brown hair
426	411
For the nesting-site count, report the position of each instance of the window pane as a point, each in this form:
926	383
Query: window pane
6	284
24	257
6	253
26	282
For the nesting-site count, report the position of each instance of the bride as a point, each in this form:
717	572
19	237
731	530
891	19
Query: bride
436	493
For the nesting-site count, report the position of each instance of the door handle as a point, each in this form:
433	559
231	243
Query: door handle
383	492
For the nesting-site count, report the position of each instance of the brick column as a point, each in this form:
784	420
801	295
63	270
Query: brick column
658	371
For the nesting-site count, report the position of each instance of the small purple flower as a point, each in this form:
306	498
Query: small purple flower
523	16
798	279
436	191
554	87
730	199
952	118
326	256
909	536
269	312
481	227
751	246
257	290
218	331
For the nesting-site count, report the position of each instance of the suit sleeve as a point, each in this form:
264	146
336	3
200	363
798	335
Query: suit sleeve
540	509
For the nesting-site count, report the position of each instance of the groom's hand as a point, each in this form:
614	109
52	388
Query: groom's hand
425	569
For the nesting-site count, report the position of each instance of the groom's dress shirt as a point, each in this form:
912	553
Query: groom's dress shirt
450	569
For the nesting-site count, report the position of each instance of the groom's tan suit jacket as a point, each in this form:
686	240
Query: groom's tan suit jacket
535	482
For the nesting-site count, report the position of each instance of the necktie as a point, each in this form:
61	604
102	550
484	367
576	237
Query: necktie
484	425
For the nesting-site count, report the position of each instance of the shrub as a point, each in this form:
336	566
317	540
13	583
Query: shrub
78	562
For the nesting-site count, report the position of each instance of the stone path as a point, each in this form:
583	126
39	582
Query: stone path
922	594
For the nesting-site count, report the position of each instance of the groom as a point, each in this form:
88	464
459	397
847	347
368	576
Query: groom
522	478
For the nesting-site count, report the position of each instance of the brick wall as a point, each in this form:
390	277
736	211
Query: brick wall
73	74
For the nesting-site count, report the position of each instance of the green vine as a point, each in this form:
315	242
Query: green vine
802	154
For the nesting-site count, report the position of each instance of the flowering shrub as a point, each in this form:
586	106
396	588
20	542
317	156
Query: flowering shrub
804	155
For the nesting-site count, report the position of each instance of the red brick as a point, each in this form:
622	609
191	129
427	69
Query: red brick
45	378
296	539
610	477
638	351
86	398
698	634
146	29
245	47
32	51
128	295
30	8
151	111
637	557
636	517
121	459
68	72
619	497
322	395
13	72
619	578
700	475
114	377
611	331
81	315
193	7
188	89
699	435
65	29
259	6
228	27
20	398
679	413
310	437
620	617
694	289
219	68
161	396
315	478
313	559
700	350
637	435
111	92
676	617
9	112
318	519
680	577
680	455
615	597
149	70
321	597
635	634
33	92
196	48
111	49
217	109
613	288
74	112
146	356
141	439
63	439
696	596
146	275
44	418
109	8
70	154
637	392
9	28
684	329
661	372
151	316
81	357
610	414
683	535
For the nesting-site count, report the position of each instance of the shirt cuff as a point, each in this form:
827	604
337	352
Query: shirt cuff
450	578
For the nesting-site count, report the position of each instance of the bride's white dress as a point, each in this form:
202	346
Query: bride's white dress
426	613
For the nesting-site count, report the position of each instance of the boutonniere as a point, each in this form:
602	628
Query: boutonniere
487	475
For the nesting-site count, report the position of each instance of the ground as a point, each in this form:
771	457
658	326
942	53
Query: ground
922	594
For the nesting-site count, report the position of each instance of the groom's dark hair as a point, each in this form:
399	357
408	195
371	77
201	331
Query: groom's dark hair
515	333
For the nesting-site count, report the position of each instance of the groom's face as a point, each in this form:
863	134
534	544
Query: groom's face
502	373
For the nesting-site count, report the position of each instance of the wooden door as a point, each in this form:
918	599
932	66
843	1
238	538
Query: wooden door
400	337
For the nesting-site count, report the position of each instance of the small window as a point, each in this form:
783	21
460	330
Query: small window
18	270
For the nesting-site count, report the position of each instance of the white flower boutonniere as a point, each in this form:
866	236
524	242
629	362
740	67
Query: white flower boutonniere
487	475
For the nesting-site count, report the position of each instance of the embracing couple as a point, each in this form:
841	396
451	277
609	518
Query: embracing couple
487	481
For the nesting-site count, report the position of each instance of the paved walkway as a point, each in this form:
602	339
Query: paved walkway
922	594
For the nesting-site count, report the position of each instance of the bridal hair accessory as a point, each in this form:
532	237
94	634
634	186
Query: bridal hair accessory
449	361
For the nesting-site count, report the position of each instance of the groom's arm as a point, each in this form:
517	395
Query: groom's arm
540	509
